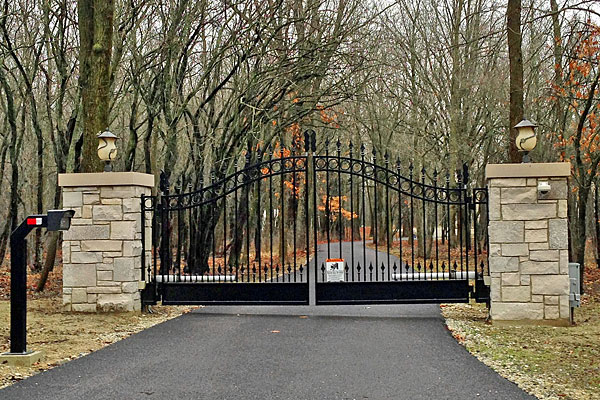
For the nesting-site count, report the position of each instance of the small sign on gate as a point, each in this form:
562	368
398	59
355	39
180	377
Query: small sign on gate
334	269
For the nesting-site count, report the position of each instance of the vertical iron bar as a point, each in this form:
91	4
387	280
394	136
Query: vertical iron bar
475	231
156	210
236	236
448	234
189	216
258	231
351	211
364	218
387	214
487	232
423	190
467	219
327	200
143	228
398	165
374	215
460	219
435	196
412	219
165	243
295	210
282	248
339	168
247	191
213	223
224	232
271	209
179	233
315	227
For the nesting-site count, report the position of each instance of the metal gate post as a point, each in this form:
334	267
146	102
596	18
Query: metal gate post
466	206
310	150
165	245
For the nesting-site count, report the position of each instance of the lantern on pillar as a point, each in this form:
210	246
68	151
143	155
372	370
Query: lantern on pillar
107	148
526	139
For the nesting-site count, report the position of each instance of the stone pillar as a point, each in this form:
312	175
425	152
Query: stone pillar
528	235
102	250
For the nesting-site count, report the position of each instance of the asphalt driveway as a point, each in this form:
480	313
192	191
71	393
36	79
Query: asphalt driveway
341	352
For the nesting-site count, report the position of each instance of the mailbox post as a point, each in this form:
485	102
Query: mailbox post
55	220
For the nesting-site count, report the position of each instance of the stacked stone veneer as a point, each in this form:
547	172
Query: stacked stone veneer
102	250
528	235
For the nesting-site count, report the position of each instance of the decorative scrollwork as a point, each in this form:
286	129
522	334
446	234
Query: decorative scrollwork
454	196
442	195
345	165
480	195
429	194
149	203
275	166
417	190
288	164
381	175
300	164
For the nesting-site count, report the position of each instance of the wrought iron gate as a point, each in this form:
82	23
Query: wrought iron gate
264	234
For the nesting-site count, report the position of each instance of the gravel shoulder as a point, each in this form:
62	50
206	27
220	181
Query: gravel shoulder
547	362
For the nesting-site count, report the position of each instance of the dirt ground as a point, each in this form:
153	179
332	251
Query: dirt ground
51	330
548	362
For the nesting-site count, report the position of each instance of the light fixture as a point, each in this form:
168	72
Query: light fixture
526	139
107	149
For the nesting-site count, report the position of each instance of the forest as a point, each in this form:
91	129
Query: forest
193	88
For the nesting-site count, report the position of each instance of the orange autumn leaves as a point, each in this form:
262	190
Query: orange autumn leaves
578	89
336	207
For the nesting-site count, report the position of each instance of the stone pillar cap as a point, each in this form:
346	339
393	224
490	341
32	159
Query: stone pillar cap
528	170
106	179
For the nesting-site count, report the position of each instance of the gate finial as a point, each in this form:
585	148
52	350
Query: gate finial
163	182
307	140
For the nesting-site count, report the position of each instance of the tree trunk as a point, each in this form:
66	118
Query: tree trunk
597	224
579	242
49	263
95	32
15	145
515	57
558	56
